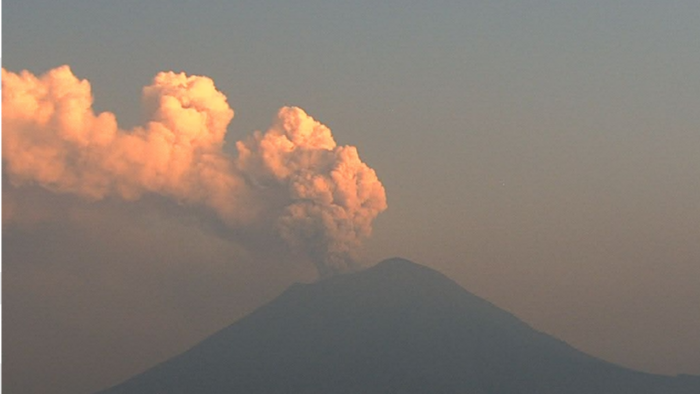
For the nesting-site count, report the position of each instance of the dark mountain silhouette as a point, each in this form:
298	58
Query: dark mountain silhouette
395	328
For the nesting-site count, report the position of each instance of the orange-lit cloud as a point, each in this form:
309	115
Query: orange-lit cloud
293	179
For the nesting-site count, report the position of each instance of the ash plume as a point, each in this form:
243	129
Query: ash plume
293	179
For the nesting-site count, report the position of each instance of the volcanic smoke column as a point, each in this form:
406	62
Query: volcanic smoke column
292	180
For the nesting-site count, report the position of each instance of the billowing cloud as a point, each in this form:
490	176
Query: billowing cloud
292	180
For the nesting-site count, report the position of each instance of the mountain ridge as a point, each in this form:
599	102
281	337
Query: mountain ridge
395	327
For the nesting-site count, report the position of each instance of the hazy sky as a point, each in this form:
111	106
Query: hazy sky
543	154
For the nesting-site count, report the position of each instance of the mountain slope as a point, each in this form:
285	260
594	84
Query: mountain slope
395	328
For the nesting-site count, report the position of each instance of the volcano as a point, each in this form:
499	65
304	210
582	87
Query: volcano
397	327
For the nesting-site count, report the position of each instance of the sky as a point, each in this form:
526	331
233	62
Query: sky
542	154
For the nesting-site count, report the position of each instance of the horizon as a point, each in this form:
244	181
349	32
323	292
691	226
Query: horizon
544	157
